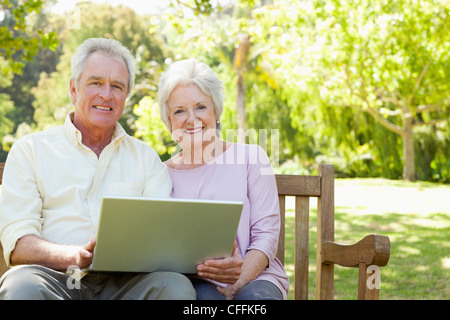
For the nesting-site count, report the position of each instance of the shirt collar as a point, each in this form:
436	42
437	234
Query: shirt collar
74	135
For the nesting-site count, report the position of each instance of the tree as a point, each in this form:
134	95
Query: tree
23	37
151	129
121	23
19	42
6	105
391	60
241	57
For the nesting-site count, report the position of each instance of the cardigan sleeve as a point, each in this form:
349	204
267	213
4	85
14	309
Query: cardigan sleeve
264	206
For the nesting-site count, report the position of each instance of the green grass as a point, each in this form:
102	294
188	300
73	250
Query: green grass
416	218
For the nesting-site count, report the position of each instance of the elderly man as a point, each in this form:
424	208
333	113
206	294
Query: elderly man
54	181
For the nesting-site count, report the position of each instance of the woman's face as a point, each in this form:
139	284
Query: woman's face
192	116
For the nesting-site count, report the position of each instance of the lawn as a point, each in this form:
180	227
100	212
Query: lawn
416	218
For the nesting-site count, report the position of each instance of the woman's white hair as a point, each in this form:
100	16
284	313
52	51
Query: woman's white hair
186	72
110	47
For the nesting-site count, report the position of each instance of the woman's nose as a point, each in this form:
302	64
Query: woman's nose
191	117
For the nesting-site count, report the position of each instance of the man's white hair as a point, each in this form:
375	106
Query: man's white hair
109	47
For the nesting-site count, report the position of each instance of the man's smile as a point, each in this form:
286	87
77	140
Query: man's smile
102	108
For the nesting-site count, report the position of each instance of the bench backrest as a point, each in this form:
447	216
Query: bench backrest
302	188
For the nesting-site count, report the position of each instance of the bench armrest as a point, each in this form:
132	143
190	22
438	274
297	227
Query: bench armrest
372	250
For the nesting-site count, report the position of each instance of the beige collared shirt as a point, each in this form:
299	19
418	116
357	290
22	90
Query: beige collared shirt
53	184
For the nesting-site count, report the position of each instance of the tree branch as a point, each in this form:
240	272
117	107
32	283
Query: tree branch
392	113
436	121
383	121
421	76
374	113
434	106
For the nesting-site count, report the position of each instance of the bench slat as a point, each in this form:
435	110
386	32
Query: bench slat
301	248
294	185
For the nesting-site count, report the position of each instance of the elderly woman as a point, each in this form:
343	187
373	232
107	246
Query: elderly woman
191	102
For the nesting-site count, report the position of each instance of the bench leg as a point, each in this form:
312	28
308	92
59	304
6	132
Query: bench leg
368	282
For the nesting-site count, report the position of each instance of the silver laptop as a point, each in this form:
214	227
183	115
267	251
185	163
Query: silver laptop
163	234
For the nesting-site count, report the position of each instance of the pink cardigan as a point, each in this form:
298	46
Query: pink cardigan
241	173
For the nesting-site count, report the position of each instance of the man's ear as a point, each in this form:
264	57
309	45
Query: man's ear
73	91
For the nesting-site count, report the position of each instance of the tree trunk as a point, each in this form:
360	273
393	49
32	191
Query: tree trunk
409	169
240	63
240	103
407	134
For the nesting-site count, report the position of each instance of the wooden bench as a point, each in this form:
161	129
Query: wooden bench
373	250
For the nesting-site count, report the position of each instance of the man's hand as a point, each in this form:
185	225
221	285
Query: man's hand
85	255
31	249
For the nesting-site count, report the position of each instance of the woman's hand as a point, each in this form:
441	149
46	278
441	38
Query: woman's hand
254	263
226	270
231	290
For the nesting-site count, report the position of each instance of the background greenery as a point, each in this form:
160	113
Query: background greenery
363	85
415	217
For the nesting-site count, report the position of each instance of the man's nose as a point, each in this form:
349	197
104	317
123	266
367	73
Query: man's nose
105	92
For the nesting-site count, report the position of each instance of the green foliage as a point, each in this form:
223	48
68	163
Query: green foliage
433	154
416	218
40	94
19	43
151	129
387	59
121	23
25	42
6	105
338	79
343	82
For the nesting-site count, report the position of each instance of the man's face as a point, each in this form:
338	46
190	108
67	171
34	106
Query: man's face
101	93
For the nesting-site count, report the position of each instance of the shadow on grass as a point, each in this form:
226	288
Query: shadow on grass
419	264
